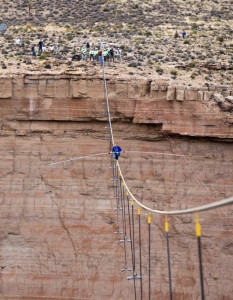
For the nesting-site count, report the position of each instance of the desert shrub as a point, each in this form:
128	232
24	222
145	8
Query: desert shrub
192	64
194	26
193	75
69	37
159	70
220	38
28	26
173	72
43	56
186	42
47	66
148	33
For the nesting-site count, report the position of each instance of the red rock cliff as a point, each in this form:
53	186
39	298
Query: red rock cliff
57	222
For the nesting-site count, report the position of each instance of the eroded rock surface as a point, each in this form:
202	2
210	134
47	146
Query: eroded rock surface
58	222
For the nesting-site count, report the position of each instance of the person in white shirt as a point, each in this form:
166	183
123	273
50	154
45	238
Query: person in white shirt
118	54
51	49
17	41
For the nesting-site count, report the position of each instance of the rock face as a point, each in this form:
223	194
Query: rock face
58	222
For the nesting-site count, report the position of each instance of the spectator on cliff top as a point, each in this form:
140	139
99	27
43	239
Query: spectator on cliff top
84	53
116	151
57	48
92	55
51	49
23	43
40	44
118	54
100	57
184	34
111	54
33	51
17	41
176	35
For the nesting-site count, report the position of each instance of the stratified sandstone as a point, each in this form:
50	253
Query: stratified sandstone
58	222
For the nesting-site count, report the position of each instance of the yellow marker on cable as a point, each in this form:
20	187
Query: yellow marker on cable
122	183
198	226
132	202
139	211
149	219
166	224
127	193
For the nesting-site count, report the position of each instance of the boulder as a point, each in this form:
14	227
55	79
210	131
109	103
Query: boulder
229	99
219	98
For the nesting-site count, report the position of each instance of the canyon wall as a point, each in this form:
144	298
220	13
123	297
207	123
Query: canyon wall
57	225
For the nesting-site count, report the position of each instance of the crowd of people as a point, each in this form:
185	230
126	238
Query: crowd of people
100	53
42	48
87	52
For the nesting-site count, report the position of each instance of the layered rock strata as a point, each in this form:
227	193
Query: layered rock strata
58	222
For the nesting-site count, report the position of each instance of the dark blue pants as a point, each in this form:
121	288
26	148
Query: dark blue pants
116	155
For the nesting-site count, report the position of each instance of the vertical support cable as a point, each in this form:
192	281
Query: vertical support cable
124	240
140	249
130	231
168	257
149	222
133	242
198	234
117	201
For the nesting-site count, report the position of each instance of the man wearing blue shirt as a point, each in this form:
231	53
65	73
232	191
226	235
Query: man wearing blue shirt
116	151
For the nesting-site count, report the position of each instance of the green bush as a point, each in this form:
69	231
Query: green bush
159	70
192	64
194	26
173	72
193	75
186	42
148	33
69	37
43	56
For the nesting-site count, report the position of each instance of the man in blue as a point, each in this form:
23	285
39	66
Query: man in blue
116	151
184	34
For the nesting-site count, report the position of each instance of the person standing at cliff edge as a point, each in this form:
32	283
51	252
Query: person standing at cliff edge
116	151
